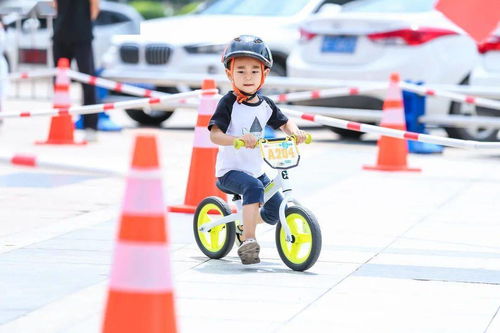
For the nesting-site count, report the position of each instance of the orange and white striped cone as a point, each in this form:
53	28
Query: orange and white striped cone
140	297
392	152
201	181
61	130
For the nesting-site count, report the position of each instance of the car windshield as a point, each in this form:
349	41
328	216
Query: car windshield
388	6
254	7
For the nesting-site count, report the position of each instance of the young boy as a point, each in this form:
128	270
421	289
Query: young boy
242	114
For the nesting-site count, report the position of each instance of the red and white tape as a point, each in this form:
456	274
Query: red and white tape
115	86
49	72
360	127
128	89
29	160
468	99
86	109
324	93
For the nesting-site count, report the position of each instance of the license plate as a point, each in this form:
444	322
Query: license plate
339	44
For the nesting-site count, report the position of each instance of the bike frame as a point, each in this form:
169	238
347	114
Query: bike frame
281	181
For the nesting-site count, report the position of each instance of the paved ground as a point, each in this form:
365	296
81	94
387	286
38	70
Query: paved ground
402	252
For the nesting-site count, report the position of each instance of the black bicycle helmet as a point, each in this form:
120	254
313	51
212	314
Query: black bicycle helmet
248	46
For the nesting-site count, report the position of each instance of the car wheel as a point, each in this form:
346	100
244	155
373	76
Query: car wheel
152	117
474	132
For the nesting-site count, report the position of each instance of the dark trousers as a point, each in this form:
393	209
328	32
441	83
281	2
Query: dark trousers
252	190
83	54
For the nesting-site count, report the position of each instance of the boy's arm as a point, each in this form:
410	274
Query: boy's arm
222	139
290	128
94	9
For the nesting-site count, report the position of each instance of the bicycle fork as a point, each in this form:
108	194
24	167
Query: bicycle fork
284	184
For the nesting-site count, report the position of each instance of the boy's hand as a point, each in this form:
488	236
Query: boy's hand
249	139
300	135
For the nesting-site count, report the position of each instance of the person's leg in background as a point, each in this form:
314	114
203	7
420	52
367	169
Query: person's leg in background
84	57
61	50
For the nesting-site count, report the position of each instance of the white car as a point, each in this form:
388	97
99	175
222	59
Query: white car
3	69
369	39
194	43
35	38
486	73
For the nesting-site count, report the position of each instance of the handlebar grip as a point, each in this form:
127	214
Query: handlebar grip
309	138
238	143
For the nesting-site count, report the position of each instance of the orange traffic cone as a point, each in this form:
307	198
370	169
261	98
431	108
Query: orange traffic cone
140	297
61	126
201	182
392	152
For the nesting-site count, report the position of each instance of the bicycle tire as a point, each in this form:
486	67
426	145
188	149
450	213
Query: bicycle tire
218	241
305	232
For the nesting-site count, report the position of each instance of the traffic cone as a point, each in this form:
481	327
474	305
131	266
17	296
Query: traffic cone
61	126
140	297
392	152
201	182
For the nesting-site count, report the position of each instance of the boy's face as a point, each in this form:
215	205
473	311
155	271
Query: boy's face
247	73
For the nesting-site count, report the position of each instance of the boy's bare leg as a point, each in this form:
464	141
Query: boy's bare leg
251	217
240	227
249	249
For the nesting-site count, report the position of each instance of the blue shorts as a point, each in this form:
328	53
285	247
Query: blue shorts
252	190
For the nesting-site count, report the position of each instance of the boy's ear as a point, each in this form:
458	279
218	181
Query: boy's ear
229	74
266	71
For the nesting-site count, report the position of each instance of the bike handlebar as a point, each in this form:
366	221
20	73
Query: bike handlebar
238	143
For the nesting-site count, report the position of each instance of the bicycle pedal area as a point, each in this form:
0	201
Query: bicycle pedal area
397	247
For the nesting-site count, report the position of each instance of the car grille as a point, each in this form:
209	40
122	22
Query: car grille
129	53
157	54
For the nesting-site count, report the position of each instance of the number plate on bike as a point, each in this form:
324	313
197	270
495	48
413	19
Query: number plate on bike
280	154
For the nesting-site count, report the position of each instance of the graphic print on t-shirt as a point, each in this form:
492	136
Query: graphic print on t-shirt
255	129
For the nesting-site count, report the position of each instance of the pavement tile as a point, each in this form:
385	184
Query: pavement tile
40	180
418	306
269	273
220	309
192	325
494	326
32	285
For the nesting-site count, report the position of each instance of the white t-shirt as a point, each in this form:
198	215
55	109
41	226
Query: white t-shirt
237	119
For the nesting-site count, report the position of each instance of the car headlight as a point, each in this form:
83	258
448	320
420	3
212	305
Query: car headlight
205	48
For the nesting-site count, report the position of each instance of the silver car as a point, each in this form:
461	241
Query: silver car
34	38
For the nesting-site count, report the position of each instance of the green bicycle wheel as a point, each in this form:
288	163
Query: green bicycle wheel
218	241
302	252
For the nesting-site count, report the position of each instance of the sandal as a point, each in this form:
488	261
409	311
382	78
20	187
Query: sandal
239	234
249	252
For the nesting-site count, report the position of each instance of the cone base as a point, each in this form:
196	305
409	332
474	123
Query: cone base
186	209
390	168
61	142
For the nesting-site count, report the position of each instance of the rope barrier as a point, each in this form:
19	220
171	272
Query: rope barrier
29	160
405	135
86	109
324	93
468	99
49	72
